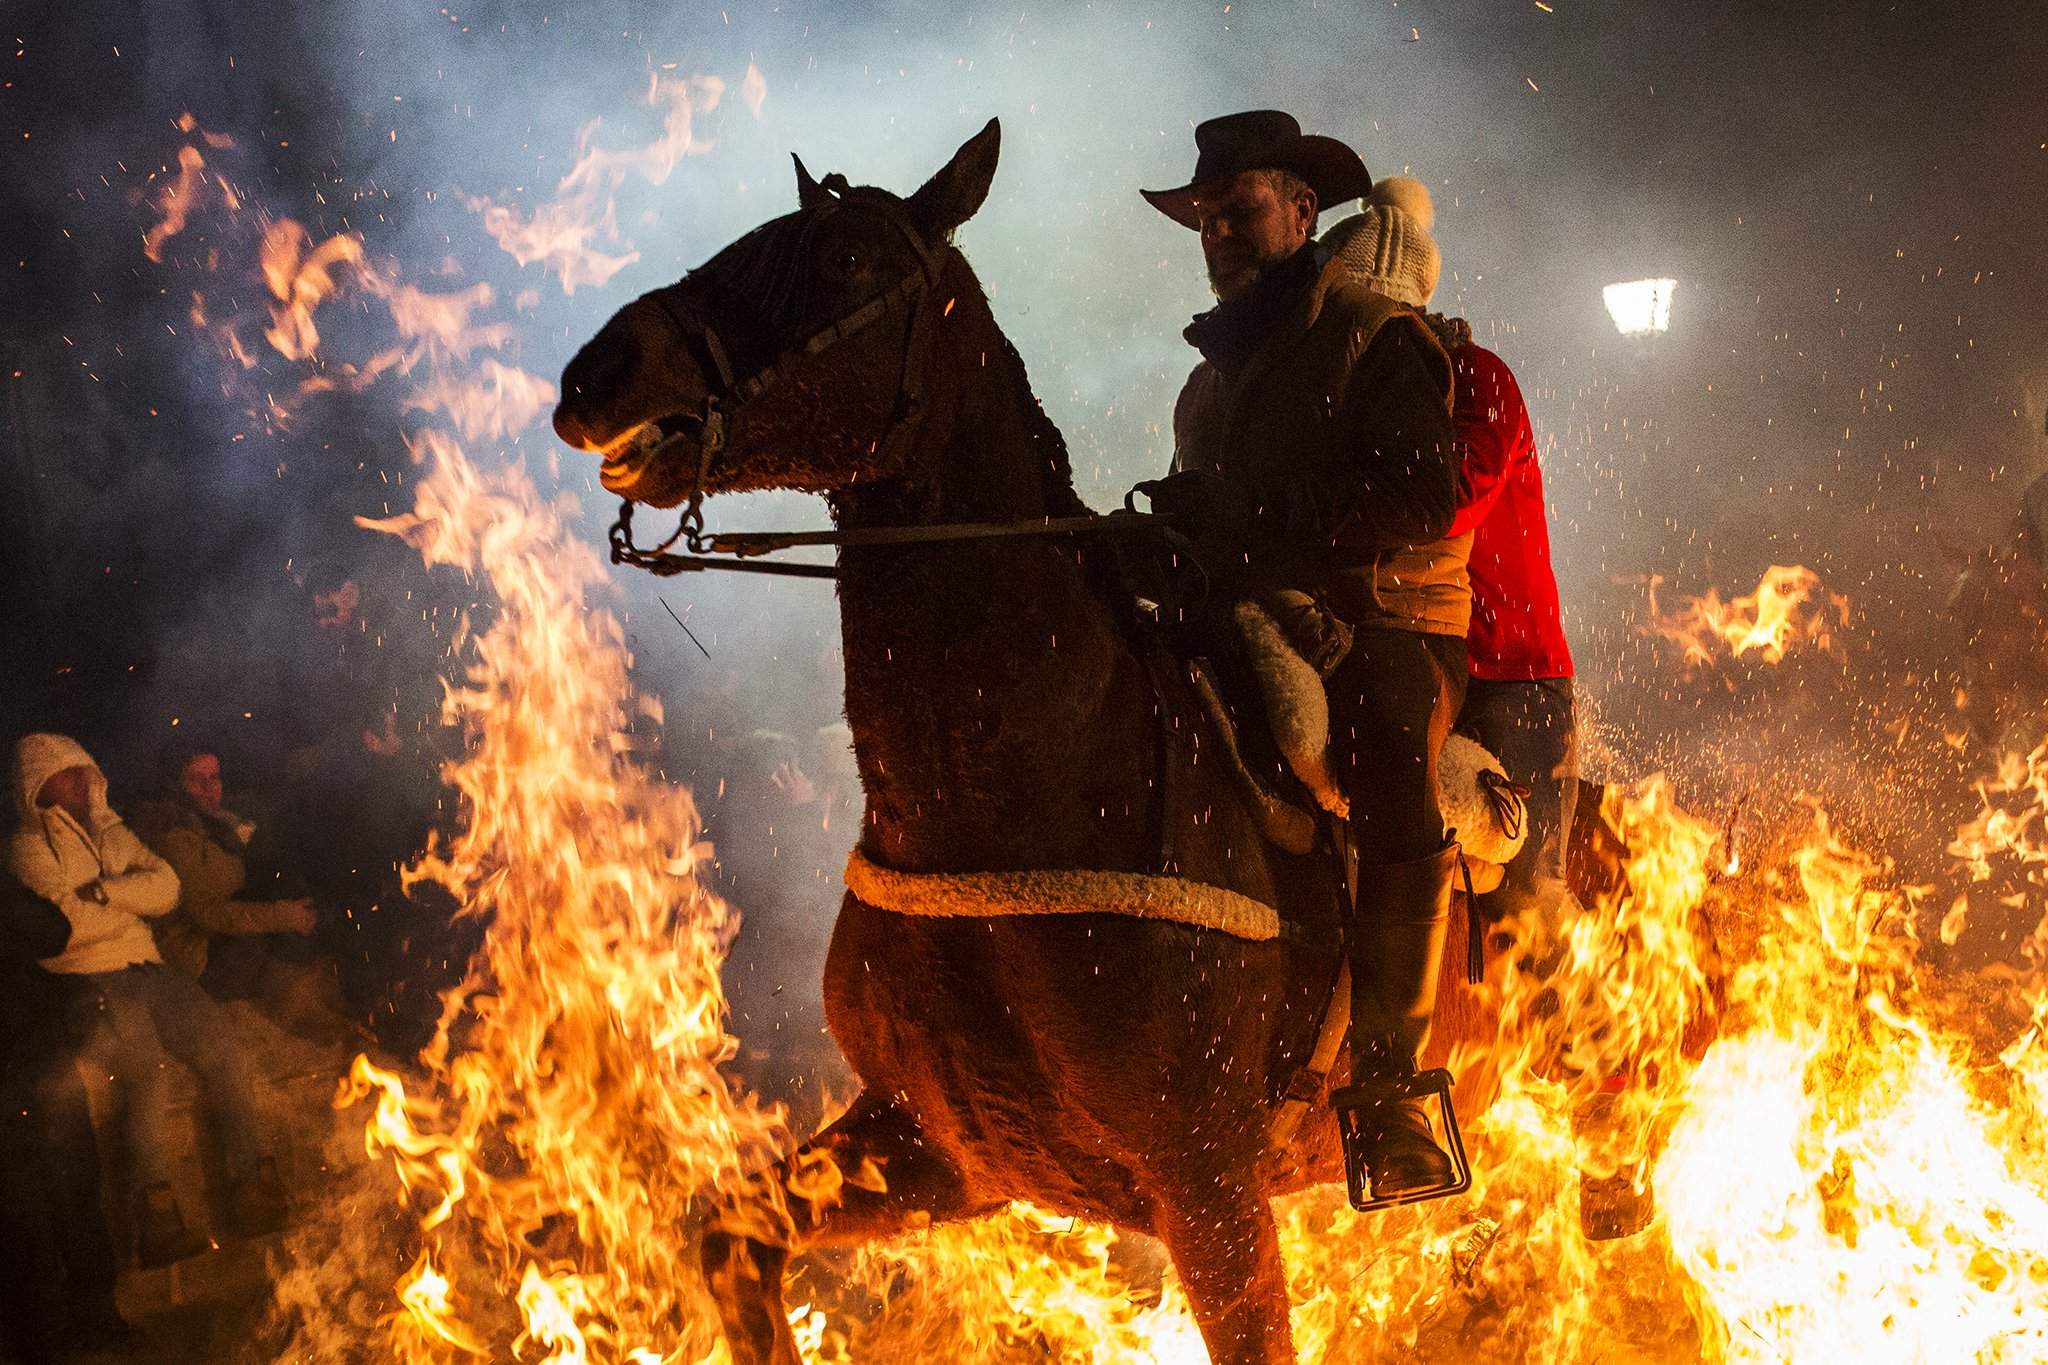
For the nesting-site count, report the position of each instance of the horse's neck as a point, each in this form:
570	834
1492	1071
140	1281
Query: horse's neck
979	674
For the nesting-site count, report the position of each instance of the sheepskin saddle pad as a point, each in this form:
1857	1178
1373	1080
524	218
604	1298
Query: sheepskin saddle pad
1478	800
1175	900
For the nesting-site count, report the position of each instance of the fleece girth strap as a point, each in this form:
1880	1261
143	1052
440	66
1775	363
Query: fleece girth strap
1061	892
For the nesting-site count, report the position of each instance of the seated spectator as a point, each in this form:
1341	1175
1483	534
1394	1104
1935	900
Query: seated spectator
61	1297
236	946
72	849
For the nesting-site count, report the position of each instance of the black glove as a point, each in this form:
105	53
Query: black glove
1208	507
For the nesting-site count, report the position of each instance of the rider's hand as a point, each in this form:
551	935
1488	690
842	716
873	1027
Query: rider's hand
1207	507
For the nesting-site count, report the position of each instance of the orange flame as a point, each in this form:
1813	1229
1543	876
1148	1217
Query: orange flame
587	1041
563	234
299	279
1789	610
176	201
1848	1178
501	402
2008	838
429	1307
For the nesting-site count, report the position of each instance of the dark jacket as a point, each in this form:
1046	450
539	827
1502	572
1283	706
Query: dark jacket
210	857
32	1001
1330	404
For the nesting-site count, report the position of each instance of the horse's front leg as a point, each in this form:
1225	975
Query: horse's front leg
1220	1232
745	1277
868	1176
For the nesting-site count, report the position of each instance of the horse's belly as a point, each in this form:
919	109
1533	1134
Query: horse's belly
1059	1058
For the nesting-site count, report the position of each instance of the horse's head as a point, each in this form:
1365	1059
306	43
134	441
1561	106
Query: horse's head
791	359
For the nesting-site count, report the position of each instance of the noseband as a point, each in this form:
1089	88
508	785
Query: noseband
729	393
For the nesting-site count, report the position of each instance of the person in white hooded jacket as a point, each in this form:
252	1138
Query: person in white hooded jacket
72	849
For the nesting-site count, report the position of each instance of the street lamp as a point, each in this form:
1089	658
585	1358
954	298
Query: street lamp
1640	307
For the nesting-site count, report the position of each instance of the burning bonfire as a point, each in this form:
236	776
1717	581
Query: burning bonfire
1847	1153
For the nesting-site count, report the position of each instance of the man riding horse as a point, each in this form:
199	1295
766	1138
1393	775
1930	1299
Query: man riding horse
1038	1004
1315	459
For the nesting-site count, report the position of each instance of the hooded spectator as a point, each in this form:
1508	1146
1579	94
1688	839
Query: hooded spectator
61	1296
73	850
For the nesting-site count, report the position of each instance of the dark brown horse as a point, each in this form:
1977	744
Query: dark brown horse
1104	1066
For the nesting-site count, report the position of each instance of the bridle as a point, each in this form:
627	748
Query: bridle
729	393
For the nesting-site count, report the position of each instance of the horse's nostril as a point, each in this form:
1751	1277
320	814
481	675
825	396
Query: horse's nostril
569	427
601	366
592	379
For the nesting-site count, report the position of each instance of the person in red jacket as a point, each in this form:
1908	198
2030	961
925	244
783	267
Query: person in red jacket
1518	698
1518	701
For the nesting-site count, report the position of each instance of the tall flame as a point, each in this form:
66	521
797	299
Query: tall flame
571	1117
576	1078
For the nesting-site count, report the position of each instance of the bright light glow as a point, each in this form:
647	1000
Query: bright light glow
1640	307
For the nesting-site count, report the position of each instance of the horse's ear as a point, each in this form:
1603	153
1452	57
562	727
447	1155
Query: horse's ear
950	198
809	193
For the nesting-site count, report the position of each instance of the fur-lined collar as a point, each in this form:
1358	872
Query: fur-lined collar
1229	334
1452	332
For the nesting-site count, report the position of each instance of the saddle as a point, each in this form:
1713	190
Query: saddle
1267	702
1257	709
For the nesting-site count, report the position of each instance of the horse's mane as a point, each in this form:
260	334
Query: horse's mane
1050	441
1058	470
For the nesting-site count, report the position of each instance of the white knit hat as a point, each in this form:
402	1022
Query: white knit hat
1388	247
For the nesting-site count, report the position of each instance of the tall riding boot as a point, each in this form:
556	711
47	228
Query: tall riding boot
1397	945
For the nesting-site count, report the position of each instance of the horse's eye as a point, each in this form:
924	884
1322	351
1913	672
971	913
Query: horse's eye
847	261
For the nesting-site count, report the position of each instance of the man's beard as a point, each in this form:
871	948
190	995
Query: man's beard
1239	278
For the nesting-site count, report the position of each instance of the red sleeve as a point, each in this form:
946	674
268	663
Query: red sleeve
1491	421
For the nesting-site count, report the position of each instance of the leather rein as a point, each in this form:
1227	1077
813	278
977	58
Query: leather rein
729	393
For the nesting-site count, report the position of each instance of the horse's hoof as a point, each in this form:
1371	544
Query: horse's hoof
1611	1208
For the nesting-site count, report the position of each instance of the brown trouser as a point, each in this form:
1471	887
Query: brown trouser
1392	701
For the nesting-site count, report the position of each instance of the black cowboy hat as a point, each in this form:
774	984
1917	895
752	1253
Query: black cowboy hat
1264	139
